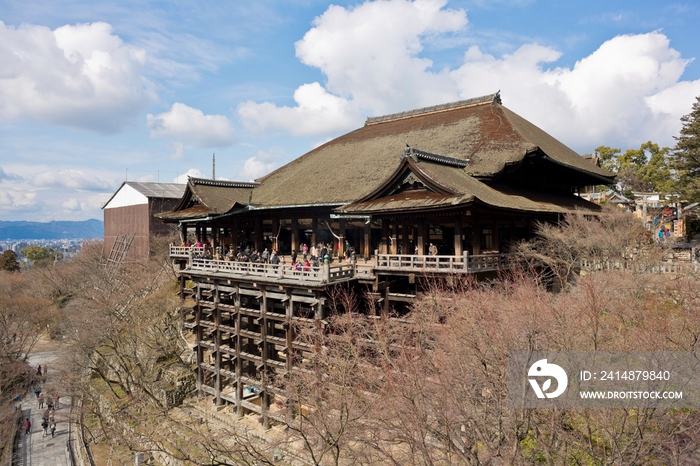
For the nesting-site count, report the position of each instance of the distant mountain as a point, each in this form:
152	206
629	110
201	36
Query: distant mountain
51	230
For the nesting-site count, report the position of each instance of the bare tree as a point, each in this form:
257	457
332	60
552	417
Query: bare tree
609	240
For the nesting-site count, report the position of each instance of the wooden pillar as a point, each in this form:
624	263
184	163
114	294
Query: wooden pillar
421	238
385	235
405	229
318	316
385	308
368	241
275	233
198	340
496	236
295	234
458	236
477	236
234	235
314	229
341	240
217	347
289	330
264	395
257	239
239	361
183	233
394	237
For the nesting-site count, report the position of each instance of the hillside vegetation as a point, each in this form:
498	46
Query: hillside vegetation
428	389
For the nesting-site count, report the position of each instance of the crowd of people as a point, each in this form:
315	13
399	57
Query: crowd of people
307	259
51	403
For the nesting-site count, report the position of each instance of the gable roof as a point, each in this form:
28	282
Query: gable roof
151	190
203	197
480	131
448	186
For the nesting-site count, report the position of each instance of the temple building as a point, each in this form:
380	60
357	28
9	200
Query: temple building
435	191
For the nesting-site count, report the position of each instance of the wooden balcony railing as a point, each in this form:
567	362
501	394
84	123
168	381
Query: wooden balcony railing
442	264
327	274
333	273
183	252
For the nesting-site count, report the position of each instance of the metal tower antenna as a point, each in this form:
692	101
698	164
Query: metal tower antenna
213	166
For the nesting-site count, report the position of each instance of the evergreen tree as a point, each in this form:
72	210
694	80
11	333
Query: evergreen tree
40	255
9	261
607	157
686	154
644	169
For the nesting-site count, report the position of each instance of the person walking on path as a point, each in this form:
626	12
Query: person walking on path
38	370
27	426
41	401
53	429
45	426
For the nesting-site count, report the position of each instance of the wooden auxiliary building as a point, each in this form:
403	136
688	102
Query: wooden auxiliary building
129	220
470	178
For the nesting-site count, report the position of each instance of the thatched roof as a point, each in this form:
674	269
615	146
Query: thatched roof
466	149
481	131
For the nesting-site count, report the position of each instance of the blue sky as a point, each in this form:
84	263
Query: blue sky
93	93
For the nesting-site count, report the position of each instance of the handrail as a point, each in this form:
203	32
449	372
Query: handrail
324	274
184	251
466	263
641	266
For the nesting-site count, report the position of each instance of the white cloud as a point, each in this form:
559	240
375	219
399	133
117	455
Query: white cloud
8	176
80	76
71	179
628	91
191	125
192	172
317	112
17	201
179	153
623	93
86	204
262	163
72	205
369	54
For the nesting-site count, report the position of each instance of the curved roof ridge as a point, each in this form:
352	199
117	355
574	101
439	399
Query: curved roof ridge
485	99
433	157
223	183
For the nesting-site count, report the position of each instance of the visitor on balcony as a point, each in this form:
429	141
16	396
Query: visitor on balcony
432	250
